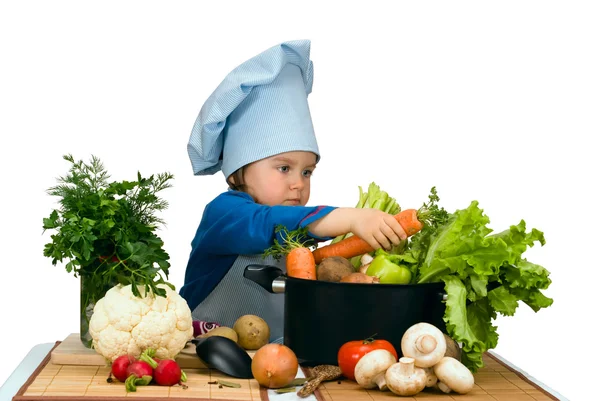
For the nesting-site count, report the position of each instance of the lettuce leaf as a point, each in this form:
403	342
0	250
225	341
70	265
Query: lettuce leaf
484	274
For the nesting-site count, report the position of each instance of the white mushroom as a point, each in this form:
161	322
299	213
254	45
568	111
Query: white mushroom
365	262
369	372
425	343
403	378
366	259
431	378
453	376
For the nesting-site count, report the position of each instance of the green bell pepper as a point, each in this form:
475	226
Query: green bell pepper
387	271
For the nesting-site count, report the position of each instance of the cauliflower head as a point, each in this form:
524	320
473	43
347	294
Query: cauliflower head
125	324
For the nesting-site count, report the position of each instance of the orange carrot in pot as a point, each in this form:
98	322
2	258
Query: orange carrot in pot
300	263
346	248
296	245
354	246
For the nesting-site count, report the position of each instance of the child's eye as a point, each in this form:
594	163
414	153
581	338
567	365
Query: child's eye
307	173
284	169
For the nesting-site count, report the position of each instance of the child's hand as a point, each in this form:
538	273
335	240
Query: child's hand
377	228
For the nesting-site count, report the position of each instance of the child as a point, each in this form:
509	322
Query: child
256	128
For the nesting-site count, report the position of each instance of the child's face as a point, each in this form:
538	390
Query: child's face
283	179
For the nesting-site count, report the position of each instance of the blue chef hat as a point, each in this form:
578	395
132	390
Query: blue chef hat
259	110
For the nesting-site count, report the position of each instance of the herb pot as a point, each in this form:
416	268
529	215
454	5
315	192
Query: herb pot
86	308
89	294
320	316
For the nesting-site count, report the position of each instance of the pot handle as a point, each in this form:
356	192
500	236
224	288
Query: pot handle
269	277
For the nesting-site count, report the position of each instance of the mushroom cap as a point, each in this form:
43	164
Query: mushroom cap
454	374
404	379
369	372
366	259
425	343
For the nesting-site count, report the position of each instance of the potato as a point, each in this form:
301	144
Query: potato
334	269
359	278
222	331
253	332
452	348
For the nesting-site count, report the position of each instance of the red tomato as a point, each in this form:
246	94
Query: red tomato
352	351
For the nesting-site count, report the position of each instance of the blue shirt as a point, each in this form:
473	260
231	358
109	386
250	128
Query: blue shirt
234	224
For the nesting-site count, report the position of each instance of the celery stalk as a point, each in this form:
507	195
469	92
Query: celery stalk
374	198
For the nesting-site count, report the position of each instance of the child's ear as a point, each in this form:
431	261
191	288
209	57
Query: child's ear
231	182
235	180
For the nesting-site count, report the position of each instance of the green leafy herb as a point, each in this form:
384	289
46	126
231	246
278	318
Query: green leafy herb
431	214
106	230
286	240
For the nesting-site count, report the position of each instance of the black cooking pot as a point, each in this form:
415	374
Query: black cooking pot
320	316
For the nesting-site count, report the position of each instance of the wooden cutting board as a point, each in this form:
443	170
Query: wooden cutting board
72	352
494	382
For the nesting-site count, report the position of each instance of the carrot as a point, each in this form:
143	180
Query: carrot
354	246
300	262
409	221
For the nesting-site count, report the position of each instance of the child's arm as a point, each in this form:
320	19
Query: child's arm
233	224
377	228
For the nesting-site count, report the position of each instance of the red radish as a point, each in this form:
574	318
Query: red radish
120	365
139	373
139	369
167	373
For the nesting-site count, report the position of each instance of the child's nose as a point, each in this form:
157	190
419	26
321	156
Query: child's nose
297	182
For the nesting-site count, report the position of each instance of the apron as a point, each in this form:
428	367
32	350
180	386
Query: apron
236	296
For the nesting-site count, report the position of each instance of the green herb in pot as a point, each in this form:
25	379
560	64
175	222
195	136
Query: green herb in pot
106	231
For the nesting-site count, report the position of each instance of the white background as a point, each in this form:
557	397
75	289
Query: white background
491	102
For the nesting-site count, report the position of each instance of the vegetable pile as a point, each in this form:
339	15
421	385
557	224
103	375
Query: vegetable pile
411	220
484	274
428	360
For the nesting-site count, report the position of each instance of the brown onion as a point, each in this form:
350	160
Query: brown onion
274	365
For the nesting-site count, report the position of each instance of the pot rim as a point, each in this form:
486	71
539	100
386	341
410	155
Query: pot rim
303	280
